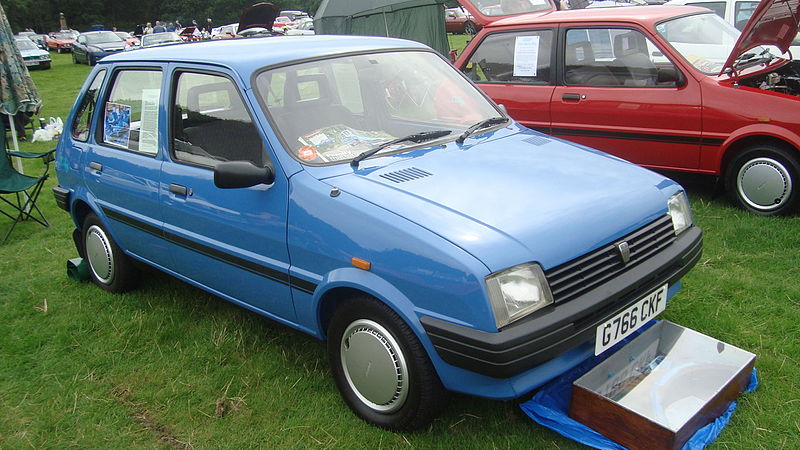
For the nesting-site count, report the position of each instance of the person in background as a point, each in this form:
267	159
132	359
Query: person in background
209	24
170	26
178	25
159	28
148	29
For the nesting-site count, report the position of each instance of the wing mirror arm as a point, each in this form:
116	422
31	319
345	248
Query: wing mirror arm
242	174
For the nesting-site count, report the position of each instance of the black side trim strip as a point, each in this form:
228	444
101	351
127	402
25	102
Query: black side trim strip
714	142
250	266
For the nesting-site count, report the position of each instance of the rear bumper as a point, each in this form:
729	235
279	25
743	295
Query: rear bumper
556	330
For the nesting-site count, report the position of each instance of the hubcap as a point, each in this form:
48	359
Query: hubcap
98	252
764	184
374	366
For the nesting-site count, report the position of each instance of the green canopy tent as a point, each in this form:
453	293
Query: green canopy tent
17	90
418	20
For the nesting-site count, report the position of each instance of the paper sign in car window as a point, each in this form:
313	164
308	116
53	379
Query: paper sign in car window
148	132
526	56
117	124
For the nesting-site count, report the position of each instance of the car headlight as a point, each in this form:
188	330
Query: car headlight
680	212
516	292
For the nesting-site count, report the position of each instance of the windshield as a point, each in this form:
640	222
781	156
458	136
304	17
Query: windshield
704	40
123	34
102	37
25	44
64	35
332	110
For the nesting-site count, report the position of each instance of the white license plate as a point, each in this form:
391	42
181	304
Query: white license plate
631	319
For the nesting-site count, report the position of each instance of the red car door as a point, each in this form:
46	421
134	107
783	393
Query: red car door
620	94
515	69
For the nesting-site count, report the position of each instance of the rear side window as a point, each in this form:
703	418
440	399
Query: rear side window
517	58
211	124
717	7
83	117
130	114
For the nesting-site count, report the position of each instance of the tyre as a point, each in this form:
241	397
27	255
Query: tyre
74	58
109	267
58	50
765	179
381	369
90	60
470	28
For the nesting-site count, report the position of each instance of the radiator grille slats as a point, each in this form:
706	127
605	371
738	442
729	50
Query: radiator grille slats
573	278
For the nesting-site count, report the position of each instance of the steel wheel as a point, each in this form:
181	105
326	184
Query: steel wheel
764	180
381	369
109	267
470	28
374	366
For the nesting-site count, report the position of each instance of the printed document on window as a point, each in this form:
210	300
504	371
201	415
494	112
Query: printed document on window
526	56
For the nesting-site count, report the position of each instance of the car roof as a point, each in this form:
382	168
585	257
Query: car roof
645	15
245	55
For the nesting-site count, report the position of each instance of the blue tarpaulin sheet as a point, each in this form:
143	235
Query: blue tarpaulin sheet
549	407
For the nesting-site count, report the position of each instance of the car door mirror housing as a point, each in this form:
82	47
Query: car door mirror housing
671	75
241	174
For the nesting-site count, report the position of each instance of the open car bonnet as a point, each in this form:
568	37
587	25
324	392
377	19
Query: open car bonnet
774	22
486	12
260	15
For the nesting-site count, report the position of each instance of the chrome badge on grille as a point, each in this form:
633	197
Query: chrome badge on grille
624	251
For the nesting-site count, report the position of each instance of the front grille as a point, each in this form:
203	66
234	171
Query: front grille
573	278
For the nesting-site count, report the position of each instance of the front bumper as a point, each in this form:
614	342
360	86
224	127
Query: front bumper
558	329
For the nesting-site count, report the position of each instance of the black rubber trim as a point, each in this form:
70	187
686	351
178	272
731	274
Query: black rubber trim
666	138
62	197
557	329
244	264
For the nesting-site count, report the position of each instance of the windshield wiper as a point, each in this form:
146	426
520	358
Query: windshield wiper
416	138
753	57
482	124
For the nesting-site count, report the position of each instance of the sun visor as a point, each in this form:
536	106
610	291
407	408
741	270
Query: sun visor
260	15
774	22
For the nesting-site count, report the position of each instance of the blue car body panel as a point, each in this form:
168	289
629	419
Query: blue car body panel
501	198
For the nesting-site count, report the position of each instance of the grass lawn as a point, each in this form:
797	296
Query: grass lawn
169	365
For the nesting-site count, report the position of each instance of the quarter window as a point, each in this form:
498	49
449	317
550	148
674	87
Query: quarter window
130	115
211	123
614	57
516	58
83	117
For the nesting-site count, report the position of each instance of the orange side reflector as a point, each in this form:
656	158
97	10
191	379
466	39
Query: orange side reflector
360	263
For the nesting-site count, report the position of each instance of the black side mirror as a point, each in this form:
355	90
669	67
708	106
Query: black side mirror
241	174
670	75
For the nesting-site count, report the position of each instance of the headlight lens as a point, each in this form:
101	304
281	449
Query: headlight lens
680	212
517	292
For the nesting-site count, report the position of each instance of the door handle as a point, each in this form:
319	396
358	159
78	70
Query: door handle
177	189
571	97
96	166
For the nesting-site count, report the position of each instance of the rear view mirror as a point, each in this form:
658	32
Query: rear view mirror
670	74
241	174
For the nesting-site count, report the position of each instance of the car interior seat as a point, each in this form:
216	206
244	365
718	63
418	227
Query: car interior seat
632	63
582	70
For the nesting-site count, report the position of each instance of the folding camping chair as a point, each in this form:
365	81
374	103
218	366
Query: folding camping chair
23	189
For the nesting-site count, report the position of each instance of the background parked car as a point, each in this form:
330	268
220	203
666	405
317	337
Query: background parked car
667	87
458	21
37	39
736	13
304	28
33	56
130	40
225	31
61	41
294	15
282	23
95	45
165	38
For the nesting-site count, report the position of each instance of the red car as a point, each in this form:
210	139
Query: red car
458	21
60	41
666	87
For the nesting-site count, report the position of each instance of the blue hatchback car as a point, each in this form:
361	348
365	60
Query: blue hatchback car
365	192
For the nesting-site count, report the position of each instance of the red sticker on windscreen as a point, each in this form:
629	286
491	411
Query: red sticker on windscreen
307	153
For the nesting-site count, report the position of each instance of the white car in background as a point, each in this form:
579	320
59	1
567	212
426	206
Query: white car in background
33	56
304	28
736	13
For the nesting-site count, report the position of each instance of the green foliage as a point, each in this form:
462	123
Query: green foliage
169	365
42	15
